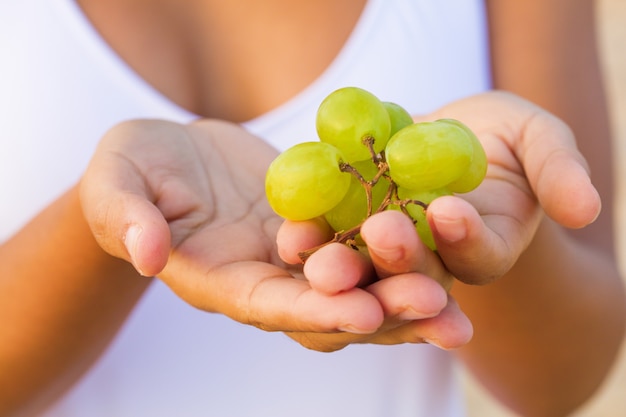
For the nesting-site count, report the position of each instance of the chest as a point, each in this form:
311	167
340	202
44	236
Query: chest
230	60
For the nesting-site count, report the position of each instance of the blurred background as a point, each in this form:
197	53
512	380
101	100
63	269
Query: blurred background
610	401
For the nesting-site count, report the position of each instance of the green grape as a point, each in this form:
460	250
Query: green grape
398	117
428	155
418	213
352	209
477	169
305	181
349	115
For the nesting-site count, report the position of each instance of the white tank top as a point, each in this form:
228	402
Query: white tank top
62	87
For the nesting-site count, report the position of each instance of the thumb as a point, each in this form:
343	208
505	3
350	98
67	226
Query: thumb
560	178
556	170
124	221
145	236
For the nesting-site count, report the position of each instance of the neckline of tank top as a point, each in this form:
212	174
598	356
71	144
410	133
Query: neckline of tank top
76	21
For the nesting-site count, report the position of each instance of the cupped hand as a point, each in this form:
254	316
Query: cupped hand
187	204
534	169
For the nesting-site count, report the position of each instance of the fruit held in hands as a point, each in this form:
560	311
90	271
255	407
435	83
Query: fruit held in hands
357	169
477	169
348	117
398	117
414	203
429	155
306	181
363	197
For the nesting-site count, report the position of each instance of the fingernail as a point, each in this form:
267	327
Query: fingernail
131	241
451	229
349	328
412	314
434	343
389	254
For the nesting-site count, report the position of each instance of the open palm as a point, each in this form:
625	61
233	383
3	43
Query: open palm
187	203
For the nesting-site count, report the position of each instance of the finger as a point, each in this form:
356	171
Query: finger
296	237
395	248
336	267
451	329
409	296
123	220
267	297
558	173
477	250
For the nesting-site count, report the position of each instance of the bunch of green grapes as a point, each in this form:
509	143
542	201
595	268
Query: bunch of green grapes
371	157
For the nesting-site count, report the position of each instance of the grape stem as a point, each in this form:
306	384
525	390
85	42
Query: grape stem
348	237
